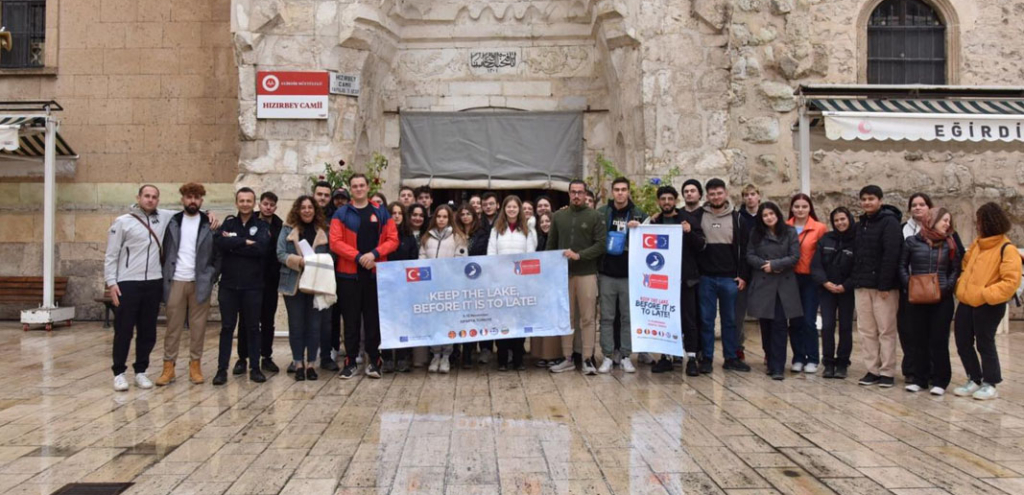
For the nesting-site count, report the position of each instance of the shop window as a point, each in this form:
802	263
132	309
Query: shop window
26	21
906	44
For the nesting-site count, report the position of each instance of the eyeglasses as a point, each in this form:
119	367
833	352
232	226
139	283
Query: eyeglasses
577	193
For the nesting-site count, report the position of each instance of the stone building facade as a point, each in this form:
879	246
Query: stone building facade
702	85
149	95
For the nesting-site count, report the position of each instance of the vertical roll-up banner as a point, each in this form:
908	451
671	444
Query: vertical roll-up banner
655	278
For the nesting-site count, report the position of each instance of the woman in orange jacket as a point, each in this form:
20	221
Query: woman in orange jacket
803	332
990	277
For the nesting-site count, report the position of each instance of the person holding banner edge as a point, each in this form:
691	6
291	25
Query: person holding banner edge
361	234
579	233
619	215
511	235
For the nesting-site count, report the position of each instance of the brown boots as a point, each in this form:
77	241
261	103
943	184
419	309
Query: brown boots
195	372
167	376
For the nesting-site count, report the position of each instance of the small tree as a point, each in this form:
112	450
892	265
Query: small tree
339	177
644	194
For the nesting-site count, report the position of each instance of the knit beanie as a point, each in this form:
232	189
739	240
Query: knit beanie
695	183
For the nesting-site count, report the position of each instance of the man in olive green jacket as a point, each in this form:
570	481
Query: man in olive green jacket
580	233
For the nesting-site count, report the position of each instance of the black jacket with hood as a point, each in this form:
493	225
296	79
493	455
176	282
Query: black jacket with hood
877	250
833	259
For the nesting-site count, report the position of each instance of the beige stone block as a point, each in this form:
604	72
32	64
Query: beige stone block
91	86
182	34
82	11
214	34
158	61
57	87
464	102
154	111
108	112
31	193
111	35
18	227
121	61
144	35
116	193
182	86
20	88
125	139
80	61
197	60
85	139
208	111
118	10
92	227
220	195
144	86
193	10
63	229
530	88
153	10
83	194
10	194
166	138
532	104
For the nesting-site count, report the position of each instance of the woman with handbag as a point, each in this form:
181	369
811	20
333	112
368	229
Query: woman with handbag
305	222
929	268
773	252
991	275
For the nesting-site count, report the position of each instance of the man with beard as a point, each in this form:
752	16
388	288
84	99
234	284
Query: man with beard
330	338
693	243
724	272
189	271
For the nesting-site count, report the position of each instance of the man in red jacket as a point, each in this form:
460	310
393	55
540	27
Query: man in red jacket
361	235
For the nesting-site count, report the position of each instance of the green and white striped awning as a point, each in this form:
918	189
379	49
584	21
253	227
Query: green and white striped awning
25	136
922	119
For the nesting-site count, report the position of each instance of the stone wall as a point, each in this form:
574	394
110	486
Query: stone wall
149	92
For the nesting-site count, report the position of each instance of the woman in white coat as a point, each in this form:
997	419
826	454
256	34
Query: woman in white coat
442	241
511	235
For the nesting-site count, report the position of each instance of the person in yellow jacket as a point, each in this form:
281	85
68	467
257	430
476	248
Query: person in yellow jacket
991	275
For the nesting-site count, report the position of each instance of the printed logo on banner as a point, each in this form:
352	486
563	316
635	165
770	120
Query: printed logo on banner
451	334
528	330
655	261
472	332
655	241
403	338
421	274
473	271
504	331
462	333
658	282
527	267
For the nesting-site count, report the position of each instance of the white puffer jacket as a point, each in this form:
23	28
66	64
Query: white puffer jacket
511	242
442	244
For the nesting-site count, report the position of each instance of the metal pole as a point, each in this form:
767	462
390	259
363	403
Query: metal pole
49	210
805	150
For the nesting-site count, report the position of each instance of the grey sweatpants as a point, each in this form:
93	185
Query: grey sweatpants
611	289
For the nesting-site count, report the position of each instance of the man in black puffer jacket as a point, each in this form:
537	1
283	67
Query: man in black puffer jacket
875	276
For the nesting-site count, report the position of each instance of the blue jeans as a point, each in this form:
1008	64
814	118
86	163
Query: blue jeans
721	292
803	332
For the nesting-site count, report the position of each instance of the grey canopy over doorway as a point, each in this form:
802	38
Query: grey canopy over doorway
500	150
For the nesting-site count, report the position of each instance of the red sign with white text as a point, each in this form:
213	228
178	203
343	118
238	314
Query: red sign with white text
292	95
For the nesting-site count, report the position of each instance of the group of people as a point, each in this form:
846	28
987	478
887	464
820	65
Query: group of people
903	281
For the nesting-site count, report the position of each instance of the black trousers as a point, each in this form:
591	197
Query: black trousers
977	326
513	347
903	329
929	332
234	303
773	337
830	305
138	309
268	309
330	336
359	310
691	319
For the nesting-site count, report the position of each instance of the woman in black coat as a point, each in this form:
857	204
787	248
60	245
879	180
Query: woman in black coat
408	249
831	269
774	298
931	250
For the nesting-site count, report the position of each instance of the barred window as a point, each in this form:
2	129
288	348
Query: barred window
906	44
26	20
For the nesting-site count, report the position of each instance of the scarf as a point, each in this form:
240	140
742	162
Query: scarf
934	237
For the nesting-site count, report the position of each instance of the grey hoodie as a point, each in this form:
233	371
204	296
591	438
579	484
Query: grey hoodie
132	252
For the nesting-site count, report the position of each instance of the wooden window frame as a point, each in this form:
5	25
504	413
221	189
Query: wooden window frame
52	36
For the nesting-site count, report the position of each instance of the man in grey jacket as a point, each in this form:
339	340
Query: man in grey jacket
190	269
134	275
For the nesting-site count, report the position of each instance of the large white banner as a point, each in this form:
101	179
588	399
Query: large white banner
655	275
454	300
865	126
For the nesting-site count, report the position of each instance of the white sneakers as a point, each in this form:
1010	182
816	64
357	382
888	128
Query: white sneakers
143	381
967	389
797	367
811	368
445	365
435	364
937	391
913	387
627	365
120	383
606	366
986	392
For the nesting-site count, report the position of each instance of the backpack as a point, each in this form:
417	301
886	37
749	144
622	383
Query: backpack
1019	295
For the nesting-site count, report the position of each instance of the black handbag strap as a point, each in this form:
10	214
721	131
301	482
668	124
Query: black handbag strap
159	246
